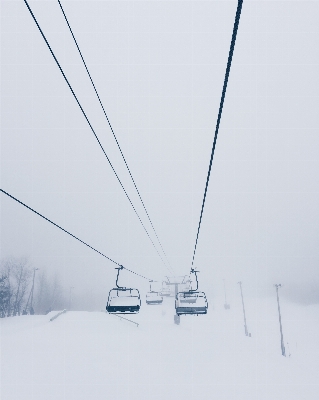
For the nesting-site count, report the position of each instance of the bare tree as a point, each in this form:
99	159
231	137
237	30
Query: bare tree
4	295
21	274
17	275
6	267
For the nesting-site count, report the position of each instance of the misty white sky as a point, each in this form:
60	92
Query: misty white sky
159	68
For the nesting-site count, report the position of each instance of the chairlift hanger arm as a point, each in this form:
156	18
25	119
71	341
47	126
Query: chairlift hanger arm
194	272
117	277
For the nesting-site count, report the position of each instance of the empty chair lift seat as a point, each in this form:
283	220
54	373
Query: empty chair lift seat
191	303
165	292
123	300
153	298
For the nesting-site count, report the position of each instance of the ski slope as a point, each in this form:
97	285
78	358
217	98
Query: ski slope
94	355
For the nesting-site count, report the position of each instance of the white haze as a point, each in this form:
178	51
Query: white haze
159	68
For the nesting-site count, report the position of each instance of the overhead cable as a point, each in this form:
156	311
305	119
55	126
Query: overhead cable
96	137
109	123
230	56
69	233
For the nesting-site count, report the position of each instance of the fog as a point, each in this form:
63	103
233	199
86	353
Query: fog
159	68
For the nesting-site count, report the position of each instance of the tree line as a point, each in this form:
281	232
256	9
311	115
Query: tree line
23	291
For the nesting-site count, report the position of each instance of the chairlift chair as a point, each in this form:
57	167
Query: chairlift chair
165	291
153	297
123	300
191	302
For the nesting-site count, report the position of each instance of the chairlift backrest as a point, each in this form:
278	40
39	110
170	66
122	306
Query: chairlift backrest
124	292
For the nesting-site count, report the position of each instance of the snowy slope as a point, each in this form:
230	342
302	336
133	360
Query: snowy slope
83	355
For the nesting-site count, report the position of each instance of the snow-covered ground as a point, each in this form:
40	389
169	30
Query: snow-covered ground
93	355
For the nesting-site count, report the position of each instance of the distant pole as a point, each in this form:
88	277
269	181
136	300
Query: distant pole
283	351
70	298
242	300
31	308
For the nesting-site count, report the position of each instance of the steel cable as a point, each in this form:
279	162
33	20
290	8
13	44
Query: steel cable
69	233
109	123
85	116
230	56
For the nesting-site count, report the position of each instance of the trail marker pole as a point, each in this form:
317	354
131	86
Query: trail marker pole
242	300
283	350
